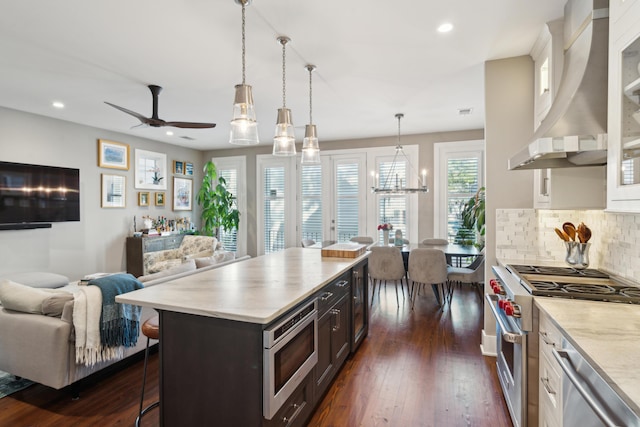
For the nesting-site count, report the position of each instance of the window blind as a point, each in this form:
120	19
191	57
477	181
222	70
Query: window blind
311	189
347	203
273	208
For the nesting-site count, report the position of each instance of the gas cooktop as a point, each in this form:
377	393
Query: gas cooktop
557	271
568	282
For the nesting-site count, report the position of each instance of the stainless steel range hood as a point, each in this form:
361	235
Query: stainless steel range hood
574	132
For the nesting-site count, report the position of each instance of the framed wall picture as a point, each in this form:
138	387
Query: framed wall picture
113	191
159	196
188	168
143	198
182	194
178	167
151	170
113	155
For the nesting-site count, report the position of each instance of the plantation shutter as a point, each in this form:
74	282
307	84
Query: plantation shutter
392	208
274	208
311	202
347	201
229	237
463	176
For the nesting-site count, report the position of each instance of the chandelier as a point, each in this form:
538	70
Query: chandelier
393	184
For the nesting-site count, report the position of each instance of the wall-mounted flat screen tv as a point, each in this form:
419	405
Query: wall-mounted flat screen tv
37	194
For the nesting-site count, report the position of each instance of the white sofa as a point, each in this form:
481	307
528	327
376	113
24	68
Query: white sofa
41	348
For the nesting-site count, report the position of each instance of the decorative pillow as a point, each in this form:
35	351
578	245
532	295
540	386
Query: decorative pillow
163	265
53	305
205	262
217	258
222	256
188	265
18	297
38	279
202	254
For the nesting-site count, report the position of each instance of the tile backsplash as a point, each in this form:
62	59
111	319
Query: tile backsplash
524	234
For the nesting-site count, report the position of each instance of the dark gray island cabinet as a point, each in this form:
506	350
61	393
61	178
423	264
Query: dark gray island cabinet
256	343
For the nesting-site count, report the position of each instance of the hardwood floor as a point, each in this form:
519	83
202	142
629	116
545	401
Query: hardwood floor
416	368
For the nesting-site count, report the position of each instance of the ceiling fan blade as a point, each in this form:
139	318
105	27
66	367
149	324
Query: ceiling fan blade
138	116
190	125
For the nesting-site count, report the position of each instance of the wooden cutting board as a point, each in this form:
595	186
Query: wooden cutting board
344	250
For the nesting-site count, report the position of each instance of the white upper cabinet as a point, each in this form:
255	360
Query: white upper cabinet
623	175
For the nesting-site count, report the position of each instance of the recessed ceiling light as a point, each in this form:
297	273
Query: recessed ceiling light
445	28
57	104
169	133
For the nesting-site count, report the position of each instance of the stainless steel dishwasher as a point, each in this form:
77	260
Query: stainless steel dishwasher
588	401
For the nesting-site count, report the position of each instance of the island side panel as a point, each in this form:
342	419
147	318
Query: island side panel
210	371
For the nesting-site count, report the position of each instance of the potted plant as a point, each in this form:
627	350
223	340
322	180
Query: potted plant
472	215
217	203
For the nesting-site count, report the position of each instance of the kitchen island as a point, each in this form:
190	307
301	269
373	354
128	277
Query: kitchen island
607	335
212	355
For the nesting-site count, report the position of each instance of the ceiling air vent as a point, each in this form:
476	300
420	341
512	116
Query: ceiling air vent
188	138
464	111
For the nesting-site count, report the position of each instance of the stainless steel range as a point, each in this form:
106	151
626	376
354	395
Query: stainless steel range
511	302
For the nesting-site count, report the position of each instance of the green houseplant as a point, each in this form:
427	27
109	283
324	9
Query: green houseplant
472	215
217	203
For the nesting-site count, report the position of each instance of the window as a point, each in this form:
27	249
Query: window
393	208
233	169
347	200
273	209
459	173
311	202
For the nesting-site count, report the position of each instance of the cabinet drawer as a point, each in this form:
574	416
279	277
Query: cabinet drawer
550	391
550	337
296	410
152	245
331	293
173	242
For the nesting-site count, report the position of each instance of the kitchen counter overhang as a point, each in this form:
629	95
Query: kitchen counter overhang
257	290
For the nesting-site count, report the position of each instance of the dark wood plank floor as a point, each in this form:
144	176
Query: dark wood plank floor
416	368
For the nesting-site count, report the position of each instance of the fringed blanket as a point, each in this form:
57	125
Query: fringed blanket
103	327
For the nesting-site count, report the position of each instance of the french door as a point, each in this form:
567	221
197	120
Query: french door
332	198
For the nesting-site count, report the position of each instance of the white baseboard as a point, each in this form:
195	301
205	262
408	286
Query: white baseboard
488	345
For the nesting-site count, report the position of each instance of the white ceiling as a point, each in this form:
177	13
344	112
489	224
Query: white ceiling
374	58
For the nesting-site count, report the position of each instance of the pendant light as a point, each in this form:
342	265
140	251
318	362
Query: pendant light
310	148
399	187
244	127
284	141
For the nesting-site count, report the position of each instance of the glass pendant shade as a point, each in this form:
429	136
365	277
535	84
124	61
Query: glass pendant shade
244	127
310	146
284	142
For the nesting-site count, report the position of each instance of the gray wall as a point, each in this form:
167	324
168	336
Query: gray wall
424	141
508	127
97	242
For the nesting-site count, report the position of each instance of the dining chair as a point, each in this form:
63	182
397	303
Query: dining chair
435	241
428	267
362	239
472	275
385	264
307	243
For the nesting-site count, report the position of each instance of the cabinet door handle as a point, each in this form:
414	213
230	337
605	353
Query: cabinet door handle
336	312
547	386
545	338
326	296
342	283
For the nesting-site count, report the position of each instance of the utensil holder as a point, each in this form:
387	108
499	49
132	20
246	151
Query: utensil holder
577	255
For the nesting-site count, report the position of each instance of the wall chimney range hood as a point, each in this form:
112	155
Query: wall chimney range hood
574	132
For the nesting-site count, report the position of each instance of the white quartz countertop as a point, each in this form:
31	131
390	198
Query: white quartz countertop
257	290
607	335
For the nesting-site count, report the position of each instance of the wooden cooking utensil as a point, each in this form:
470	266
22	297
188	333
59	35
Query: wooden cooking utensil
570	230
584	233
562	235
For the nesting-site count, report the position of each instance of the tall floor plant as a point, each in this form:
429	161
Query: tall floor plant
217	203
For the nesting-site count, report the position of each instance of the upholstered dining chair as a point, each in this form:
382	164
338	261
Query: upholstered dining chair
472	275
386	264
428	267
305	243
435	241
362	239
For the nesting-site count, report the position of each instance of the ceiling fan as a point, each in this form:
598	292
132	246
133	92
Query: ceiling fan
157	122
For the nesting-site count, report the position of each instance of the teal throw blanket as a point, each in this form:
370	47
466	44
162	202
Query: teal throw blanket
119	323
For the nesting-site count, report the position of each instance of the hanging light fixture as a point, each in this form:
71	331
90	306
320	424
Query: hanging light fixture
392	183
284	142
244	127
310	148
